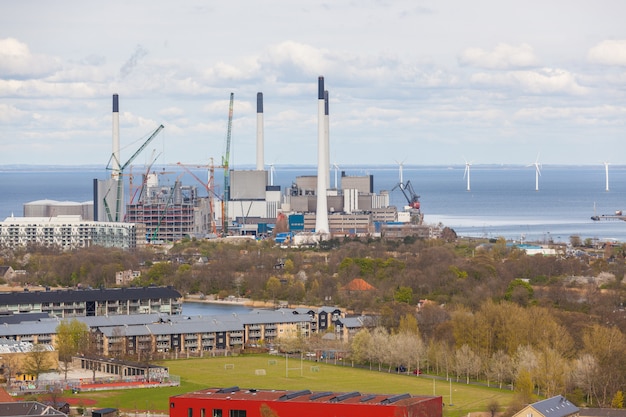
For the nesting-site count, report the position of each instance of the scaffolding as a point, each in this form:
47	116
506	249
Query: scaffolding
168	212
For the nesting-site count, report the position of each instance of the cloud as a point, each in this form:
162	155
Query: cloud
544	81
17	62
503	56
609	52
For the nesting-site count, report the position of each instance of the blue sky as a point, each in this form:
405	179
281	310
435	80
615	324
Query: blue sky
422	82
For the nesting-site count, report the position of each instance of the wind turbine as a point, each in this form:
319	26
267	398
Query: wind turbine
467	174
537	166
336	171
606	174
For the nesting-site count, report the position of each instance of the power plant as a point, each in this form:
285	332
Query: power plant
308	211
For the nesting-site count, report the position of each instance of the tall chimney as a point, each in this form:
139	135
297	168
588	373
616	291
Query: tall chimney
321	214
327	134
260	163
115	173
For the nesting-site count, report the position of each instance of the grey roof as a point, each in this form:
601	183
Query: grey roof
353	322
557	406
28	408
11	318
144	324
82	295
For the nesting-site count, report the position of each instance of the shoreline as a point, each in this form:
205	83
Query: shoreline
240	301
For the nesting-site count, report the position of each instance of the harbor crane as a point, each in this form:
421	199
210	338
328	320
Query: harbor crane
225	164
412	199
119	172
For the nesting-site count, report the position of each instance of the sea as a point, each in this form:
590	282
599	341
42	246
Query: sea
502	201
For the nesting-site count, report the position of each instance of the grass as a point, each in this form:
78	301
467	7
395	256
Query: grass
197	374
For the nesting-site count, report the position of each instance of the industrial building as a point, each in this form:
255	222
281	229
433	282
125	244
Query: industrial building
236	402
249	204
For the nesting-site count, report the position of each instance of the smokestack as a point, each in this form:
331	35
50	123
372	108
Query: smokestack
327	135
260	163
116	138
321	214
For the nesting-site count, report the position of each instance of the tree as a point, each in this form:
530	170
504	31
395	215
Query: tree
404	295
272	287
37	361
10	366
493	407
584	373
360	346
499	367
618	400
72	337
608	346
467	362
380	346
524	386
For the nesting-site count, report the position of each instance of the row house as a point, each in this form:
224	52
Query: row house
199	334
323	317
94	302
141	335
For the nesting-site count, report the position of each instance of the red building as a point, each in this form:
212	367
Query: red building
236	402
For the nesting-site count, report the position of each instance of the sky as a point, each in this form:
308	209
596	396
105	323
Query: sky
417	82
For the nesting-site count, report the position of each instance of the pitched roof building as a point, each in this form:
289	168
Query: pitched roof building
557	406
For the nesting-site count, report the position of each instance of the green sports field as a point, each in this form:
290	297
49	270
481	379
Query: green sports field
277	372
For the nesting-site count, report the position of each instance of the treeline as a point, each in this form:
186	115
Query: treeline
502	345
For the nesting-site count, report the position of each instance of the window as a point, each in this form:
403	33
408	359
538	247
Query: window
237	413
171	405
217	412
202	412
190	412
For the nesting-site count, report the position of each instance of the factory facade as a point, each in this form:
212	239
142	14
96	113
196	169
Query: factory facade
236	402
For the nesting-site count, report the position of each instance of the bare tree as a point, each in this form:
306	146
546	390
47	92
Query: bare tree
584	372
467	362
10	367
499	367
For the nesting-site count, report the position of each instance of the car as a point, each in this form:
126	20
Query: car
417	371
400	369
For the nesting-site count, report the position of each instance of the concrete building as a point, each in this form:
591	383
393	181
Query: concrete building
66	232
236	402
53	208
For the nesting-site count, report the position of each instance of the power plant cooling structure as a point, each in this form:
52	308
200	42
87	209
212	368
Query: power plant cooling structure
115	174
323	173
260	163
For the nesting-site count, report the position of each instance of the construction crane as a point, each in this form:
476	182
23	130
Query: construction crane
209	189
120	181
141	189
225	164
